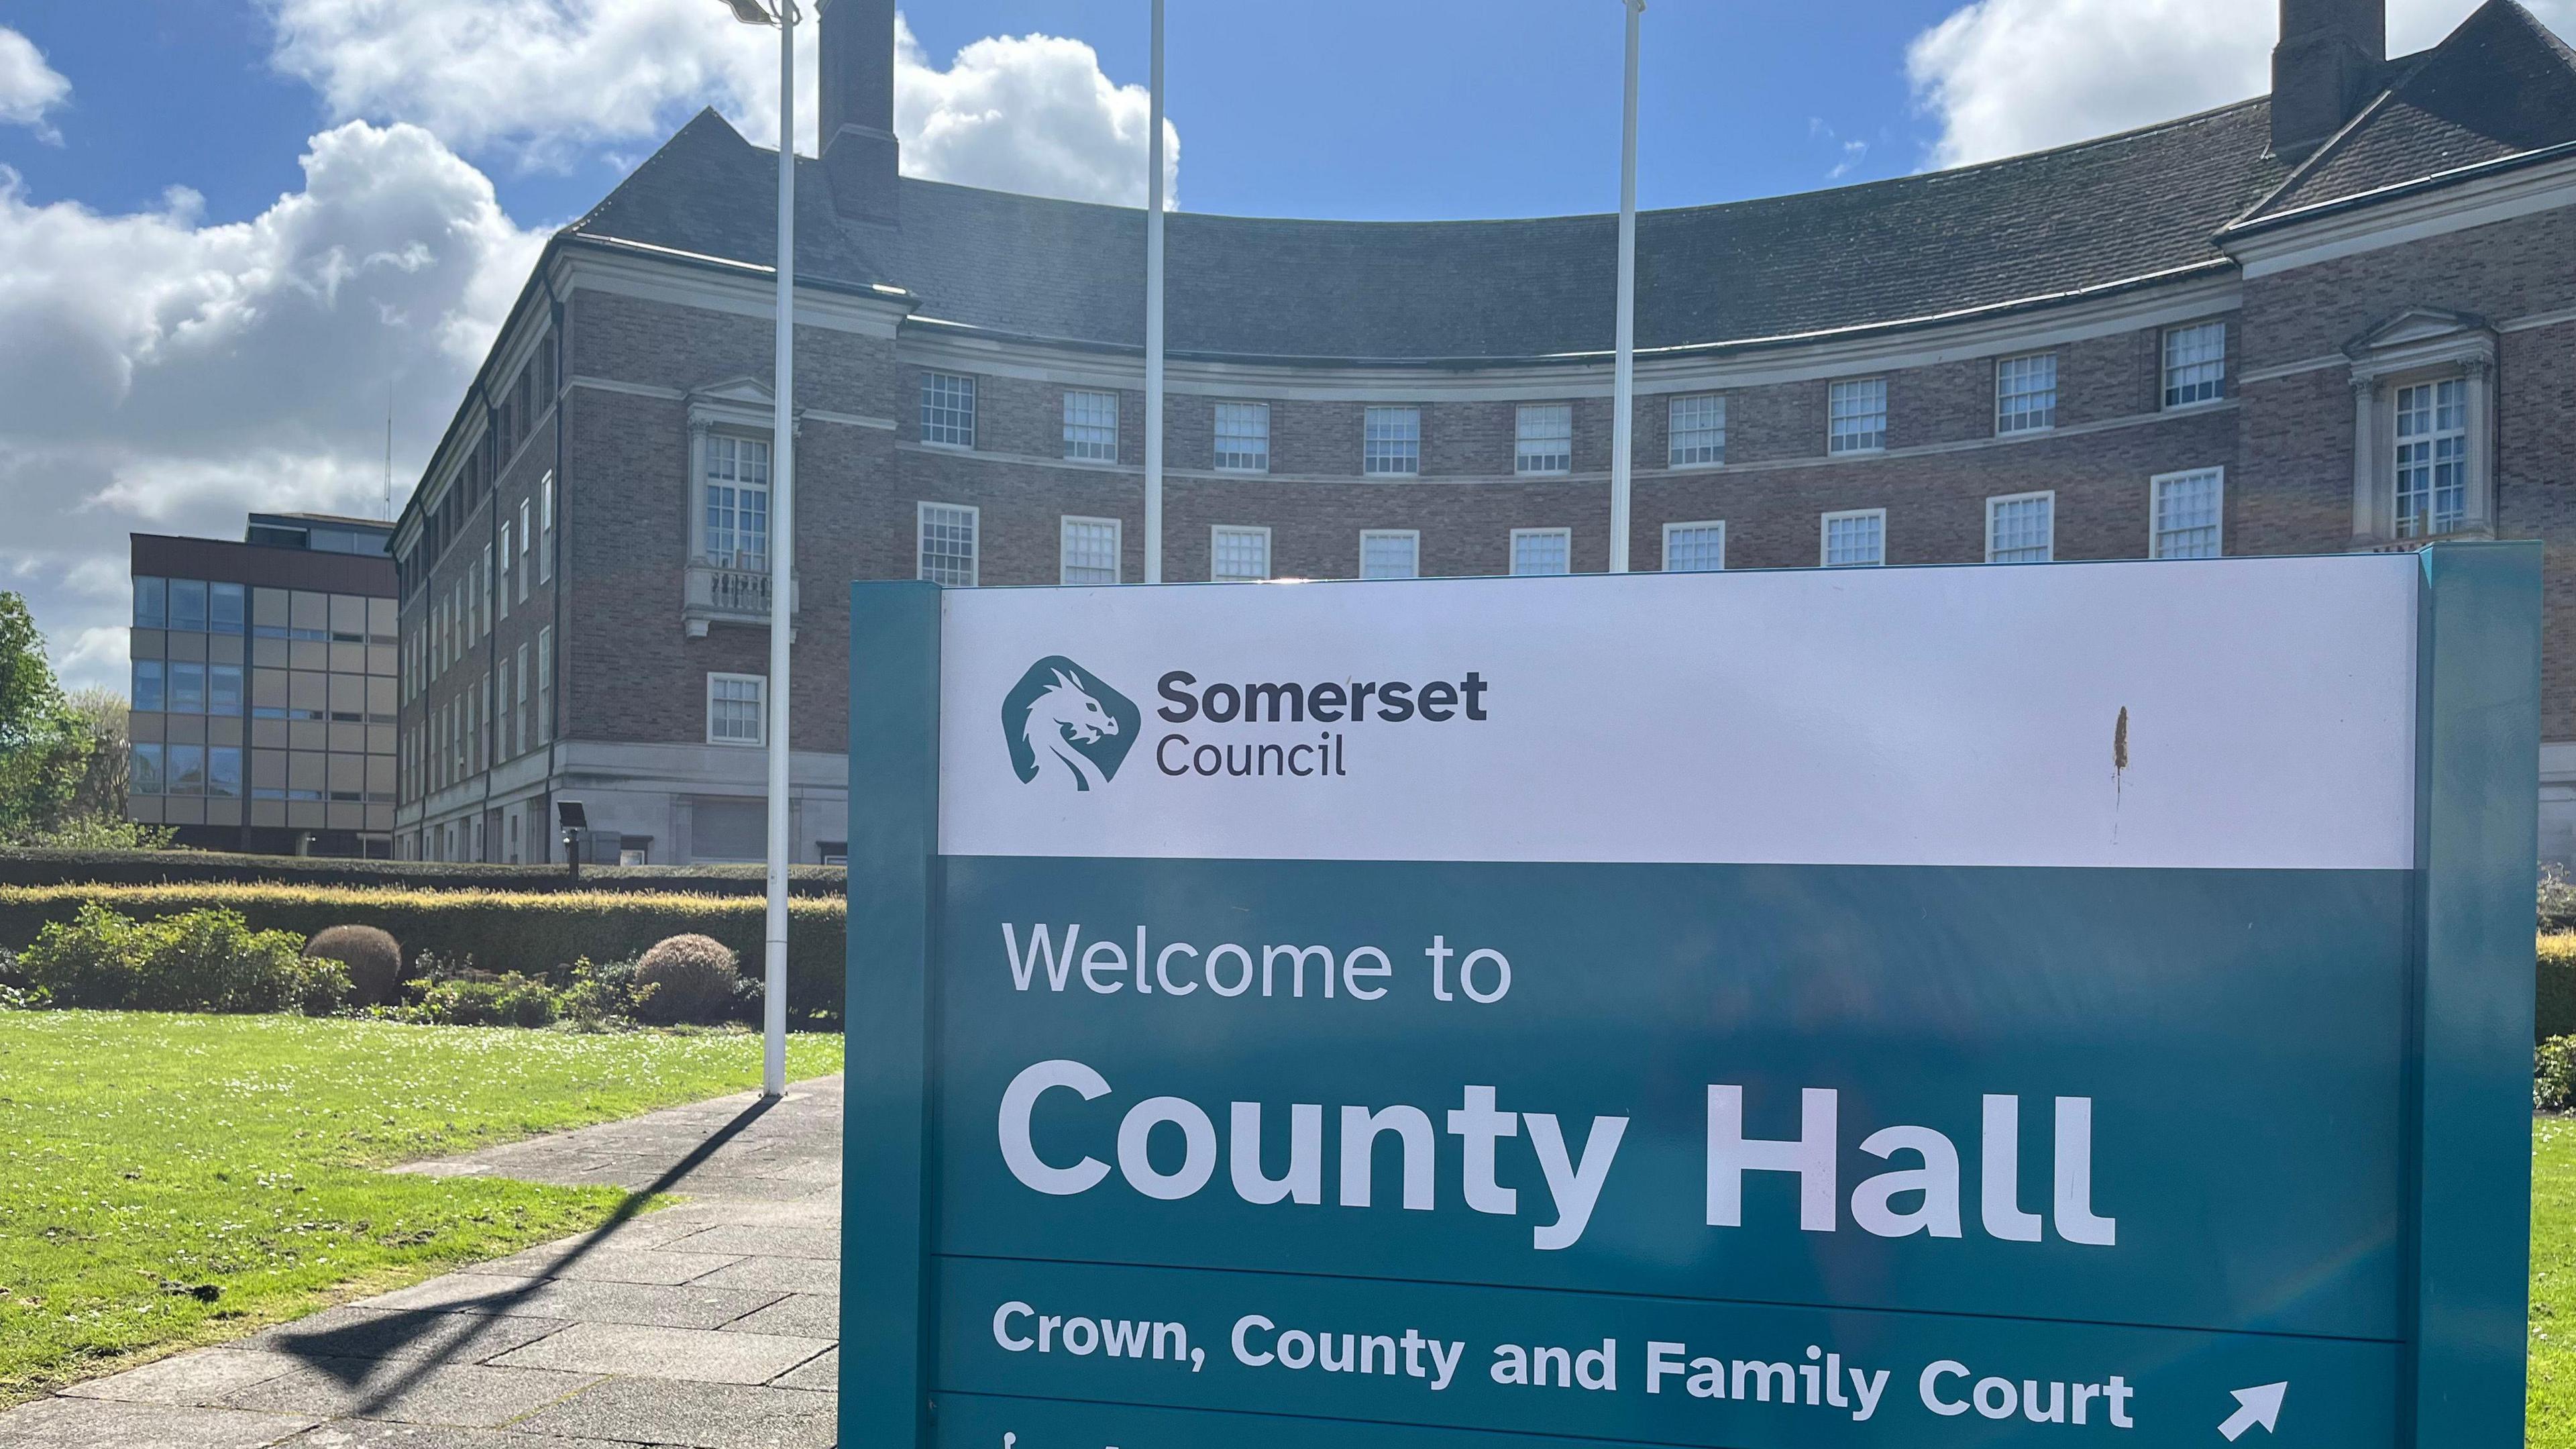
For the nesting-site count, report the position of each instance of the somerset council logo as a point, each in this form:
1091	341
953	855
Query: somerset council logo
1060	720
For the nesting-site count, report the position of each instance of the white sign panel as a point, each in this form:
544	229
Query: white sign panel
2227	714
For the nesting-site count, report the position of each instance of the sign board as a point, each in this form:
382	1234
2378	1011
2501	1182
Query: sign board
1924	1007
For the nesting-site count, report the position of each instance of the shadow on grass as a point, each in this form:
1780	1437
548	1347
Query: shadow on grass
354	1353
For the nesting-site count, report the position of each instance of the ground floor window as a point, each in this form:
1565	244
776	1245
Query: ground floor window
1238	555
1855	538
1390	553
1542	550
2021	528
1694	548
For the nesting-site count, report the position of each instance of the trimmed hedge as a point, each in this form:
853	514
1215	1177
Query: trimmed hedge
501	930
159	867
2556	1008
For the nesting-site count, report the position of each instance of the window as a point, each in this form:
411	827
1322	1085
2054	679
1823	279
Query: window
2195	364
2432	460
520	731
187	688
1542	550
948	409
223	689
737	709
2026	393
1238	555
1856	416
1854	539
1697	432
188	604
1090	551
144	777
2187	513
1691	548
187	769
1391	442
147	684
2021	528
151	603
1390	553
947	544
1091	426
1243	437
224	771
502	747
1546	438
545	685
224	608
546	545
526	537
501	596
737	503
483	593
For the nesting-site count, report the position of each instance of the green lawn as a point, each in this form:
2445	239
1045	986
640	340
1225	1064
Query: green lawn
2552	1416
179	1179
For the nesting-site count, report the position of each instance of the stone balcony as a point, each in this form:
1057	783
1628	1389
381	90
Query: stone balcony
721	593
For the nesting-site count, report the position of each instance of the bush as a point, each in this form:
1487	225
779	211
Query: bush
534	934
200	960
372	958
474	998
33	867
2557	899
2554	1010
691	980
2553	1075
601	996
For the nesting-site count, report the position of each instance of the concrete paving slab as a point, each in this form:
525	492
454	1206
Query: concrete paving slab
353	1332
203	1376
799	1315
694	1354
647	1304
458	1292
822	1373
769	1242
69	1423
616	1265
477	1396
374	1434
701	1416
778	1275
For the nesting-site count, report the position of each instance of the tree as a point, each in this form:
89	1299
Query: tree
44	746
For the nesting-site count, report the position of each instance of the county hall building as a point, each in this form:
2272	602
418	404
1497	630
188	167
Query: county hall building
2338	317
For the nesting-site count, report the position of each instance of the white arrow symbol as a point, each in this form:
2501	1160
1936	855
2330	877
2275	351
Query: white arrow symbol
2254	1406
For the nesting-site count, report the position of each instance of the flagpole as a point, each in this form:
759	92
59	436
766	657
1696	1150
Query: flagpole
1623	387
782	578
1154	313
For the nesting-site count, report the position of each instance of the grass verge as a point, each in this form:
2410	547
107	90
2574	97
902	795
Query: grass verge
2550	1419
172	1179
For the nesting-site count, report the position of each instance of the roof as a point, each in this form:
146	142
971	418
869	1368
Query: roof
337	520
2502	85
2098	215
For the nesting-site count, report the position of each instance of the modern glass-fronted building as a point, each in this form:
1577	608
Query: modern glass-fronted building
263	684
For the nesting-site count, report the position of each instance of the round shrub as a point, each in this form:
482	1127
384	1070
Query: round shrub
688	979
372	958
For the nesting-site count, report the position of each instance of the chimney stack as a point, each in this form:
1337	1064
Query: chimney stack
857	107
2326	68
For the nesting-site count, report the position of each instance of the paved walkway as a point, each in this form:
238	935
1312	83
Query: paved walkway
711	1325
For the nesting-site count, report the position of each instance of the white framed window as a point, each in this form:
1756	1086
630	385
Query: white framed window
1542	550
947	538
1091	426
736	523
504	744
1695	548
1090	551
2195	364
501	595
1243	437
1853	538
948	409
545	685
1856	416
527	538
1390	553
483	594
737	709
1546	438
2187	513
2021	528
1695	431
2432	458
546	543
1238	554
1391	442
2026	393
520	731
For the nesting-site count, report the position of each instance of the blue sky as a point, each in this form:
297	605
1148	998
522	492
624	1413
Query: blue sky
229	229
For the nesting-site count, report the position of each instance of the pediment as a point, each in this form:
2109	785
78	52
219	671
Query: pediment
2414	327
744	391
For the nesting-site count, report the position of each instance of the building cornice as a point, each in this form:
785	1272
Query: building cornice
2411	211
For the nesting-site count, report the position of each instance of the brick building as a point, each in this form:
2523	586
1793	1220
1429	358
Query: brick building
2342	316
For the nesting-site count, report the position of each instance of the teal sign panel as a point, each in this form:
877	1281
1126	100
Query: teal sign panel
1916	1007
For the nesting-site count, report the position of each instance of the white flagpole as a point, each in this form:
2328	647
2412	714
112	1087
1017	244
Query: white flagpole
782	533
1623	387
1154	315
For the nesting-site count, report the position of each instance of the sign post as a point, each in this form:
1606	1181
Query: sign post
1909	1007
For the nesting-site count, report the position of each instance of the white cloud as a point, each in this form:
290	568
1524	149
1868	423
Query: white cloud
166	375
2002	77
548	80
28	87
